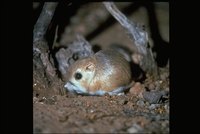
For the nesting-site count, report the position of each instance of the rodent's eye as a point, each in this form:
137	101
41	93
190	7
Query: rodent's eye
78	76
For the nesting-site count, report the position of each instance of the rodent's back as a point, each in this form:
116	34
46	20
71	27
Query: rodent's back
112	68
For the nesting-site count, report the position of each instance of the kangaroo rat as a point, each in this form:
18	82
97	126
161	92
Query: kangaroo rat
105	72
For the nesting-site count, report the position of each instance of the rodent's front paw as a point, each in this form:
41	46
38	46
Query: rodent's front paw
72	88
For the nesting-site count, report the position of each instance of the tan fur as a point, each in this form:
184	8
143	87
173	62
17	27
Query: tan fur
111	71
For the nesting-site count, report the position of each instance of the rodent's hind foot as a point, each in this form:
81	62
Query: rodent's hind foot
120	94
117	94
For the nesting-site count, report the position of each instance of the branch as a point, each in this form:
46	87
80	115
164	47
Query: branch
44	20
140	38
41	57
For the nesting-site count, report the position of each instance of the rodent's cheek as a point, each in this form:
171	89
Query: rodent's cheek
87	79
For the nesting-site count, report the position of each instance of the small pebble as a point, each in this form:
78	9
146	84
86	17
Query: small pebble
147	103
49	102
164	76
140	103
89	130
114	96
137	89
156	124
132	130
146	110
167	89
153	112
157	85
35	99
128	111
122	101
152	97
135	128
166	107
93	116
152	106
151	86
133	99
79	96
165	123
160	110
95	105
164	92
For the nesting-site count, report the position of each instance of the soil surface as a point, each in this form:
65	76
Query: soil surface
143	109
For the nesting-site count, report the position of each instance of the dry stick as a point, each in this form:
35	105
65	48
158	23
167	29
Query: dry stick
39	43
44	20
140	38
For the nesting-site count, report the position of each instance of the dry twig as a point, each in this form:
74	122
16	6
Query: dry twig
40	47
43	66
140	37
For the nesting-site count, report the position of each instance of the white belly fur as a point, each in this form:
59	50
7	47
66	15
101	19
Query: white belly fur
80	90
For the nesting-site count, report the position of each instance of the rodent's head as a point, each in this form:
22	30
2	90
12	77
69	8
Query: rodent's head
81	73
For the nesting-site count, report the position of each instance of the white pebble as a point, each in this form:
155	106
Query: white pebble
132	130
152	106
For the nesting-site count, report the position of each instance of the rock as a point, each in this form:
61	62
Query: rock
135	128
122	101
154	106
167	89
89	130
140	103
152	97
35	99
147	103
137	89
128	111
165	123
132	130
164	76
157	85
166	107
164	92
151	86
49	102
78	103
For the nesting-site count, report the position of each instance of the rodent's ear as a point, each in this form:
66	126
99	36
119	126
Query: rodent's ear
89	66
